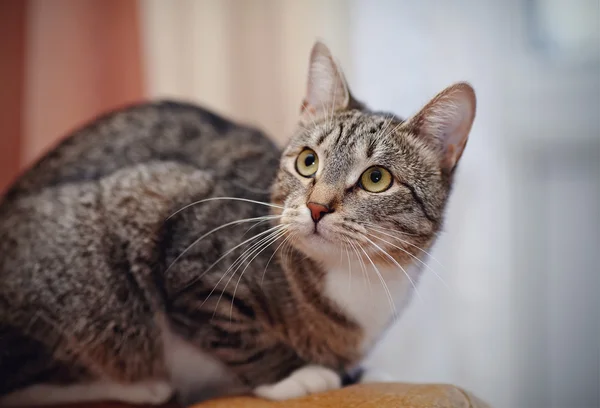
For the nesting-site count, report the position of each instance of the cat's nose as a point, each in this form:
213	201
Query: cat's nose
318	211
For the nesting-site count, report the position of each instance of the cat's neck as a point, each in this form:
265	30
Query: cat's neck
372	296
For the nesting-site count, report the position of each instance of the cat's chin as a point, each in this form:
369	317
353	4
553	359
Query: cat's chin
318	246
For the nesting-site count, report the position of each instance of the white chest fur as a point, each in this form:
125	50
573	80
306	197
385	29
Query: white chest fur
363	296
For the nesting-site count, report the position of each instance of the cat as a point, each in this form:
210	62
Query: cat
164	252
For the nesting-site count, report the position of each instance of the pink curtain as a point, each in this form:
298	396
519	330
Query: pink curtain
12	73
66	61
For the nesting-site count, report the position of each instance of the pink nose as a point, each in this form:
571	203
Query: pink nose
317	211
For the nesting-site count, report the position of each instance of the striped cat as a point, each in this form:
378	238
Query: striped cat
162	251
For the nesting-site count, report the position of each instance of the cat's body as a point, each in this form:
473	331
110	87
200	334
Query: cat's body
102	245
111	286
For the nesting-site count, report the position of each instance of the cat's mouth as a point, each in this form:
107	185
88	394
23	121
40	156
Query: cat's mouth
313	236
318	235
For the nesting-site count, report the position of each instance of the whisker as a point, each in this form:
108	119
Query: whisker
333	91
307	130
385	287
262	240
197	278
394	129
363	267
325	111
223	198
269	261
370	224
397	264
407	243
382	131
248	251
413	256
212	231
349	265
259	223
261	249
289	249
238	264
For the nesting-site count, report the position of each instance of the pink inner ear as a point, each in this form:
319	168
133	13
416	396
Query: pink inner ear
326	90
446	121
306	107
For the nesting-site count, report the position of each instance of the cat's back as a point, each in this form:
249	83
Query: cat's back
121	176
160	131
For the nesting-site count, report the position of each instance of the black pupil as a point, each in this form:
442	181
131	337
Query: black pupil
309	160
376	176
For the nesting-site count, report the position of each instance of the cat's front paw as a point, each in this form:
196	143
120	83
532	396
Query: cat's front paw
304	381
146	393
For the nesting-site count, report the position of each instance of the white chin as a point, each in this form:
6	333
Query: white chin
318	247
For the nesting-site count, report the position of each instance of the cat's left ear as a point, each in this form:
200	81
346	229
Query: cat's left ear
327	90
445	122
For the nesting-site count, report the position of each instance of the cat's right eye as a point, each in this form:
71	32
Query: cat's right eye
307	163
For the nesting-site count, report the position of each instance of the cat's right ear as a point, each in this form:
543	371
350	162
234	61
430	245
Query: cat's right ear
327	90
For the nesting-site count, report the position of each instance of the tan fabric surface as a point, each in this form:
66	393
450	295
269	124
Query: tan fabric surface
388	395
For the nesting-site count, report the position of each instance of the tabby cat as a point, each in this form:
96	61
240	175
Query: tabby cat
164	252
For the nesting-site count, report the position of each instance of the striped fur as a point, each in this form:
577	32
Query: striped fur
105	284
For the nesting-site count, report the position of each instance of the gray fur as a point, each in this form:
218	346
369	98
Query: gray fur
93	265
84	245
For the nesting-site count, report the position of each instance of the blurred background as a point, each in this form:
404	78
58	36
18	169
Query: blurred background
518	321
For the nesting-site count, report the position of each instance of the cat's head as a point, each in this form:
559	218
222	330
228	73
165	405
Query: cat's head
359	180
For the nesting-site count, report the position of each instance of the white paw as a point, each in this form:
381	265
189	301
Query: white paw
159	392
304	381
152	393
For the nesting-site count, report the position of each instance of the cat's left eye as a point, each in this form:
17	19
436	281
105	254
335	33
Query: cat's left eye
376	179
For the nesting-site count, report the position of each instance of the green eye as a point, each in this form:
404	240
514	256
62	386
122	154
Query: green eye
307	163
376	179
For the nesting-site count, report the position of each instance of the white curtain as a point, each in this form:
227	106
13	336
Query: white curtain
490	329
404	54
519	324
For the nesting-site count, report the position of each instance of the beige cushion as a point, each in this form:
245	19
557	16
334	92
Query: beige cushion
383	395
388	395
